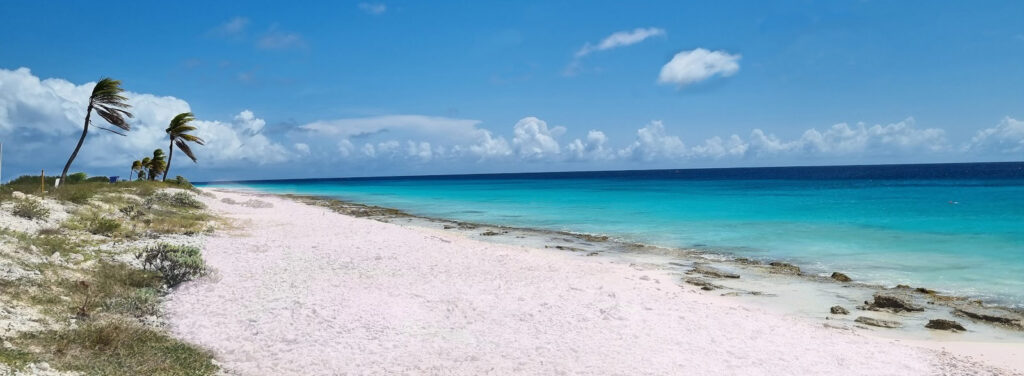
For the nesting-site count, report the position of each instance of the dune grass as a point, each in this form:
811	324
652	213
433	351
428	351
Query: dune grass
102	310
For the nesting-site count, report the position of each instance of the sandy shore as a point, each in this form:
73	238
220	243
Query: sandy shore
302	290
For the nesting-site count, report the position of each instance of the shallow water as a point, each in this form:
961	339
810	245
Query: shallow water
956	228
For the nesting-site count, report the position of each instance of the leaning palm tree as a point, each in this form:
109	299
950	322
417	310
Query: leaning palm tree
144	171
178	133
108	102
136	167
157	164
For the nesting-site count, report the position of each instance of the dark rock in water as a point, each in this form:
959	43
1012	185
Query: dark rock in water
878	322
941	324
746	261
839	310
784	267
448	227
992	315
925	291
893	303
565	248
712	272
841	277
702	283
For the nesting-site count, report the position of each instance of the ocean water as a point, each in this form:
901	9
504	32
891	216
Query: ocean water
958	228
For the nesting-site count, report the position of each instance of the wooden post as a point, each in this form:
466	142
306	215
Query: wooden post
42	181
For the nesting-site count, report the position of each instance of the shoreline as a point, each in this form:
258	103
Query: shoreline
759	287
998	316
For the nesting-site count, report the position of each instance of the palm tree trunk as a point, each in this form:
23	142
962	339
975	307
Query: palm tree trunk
130	174
85	130
170	155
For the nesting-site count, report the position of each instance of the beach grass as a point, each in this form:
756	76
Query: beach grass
99	314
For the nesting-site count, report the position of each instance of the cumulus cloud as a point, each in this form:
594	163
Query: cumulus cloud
594	148
373	8
1005	138
690	67
40	120
652	142
533	139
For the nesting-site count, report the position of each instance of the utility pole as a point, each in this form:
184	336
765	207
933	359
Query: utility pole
1	162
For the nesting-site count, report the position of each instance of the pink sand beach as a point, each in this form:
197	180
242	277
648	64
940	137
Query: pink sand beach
302	290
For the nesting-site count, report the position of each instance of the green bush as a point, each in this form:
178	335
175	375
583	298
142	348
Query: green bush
132	211
184	183
177	199
30	209
176	264
103	226
77	177
98	179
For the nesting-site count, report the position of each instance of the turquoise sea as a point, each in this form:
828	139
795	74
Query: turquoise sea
957	228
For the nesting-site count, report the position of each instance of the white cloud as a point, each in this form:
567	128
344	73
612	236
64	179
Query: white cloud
417	125
302	148
1005	138
489	147
373	8
232	27
616	40
40	121
420	150
620	39
533	139
594	148
653	143
689	67
275	39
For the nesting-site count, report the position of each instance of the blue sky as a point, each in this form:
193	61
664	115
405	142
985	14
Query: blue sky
384	88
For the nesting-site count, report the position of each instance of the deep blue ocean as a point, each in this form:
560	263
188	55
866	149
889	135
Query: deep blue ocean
958	228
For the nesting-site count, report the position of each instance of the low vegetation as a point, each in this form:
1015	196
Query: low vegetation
30	209
176	264
100	314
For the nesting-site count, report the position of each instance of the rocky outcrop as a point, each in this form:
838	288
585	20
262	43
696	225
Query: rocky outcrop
712	272
841	277
992	315
878	322
702	283
941	324
839	310
784	267
891	302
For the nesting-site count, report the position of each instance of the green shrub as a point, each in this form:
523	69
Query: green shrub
178	199
94	222
184	183
103	226
132	211
77	177
176	264
98	179
30	209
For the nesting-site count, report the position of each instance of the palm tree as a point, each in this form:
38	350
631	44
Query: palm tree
178	133
145	166
136	166
108	102
157	164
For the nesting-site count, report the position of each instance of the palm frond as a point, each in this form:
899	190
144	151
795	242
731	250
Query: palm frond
192	138
183	146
